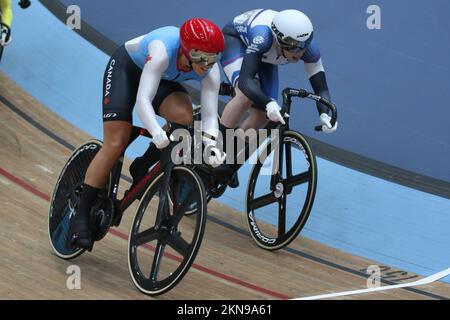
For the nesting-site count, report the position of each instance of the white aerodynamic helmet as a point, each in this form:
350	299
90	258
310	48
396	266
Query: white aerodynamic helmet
292	29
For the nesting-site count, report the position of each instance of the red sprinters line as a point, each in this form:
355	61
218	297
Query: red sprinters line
212	272
121	235
24	185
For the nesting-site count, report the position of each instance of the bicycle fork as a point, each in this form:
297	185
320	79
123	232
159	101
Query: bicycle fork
168	165
276	182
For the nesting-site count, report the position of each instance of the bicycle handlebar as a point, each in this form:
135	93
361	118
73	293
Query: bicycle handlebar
302	93
227	89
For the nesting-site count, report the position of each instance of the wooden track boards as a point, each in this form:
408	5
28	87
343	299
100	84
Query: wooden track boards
228	266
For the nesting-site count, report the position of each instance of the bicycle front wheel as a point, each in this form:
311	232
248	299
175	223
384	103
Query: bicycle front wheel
161	252
281	191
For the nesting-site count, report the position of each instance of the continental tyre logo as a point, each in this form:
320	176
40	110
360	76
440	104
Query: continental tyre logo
257	232
299	145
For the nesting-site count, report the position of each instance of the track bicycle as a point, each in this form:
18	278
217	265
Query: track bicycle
283	180
163	241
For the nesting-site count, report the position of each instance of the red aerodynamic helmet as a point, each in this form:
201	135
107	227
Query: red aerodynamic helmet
201	34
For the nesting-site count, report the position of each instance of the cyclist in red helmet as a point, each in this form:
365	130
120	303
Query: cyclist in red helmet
147	72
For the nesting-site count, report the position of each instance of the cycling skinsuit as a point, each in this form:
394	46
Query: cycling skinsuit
249	35
124	73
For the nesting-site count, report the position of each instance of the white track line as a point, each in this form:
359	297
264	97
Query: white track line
421	282
45	169
4	181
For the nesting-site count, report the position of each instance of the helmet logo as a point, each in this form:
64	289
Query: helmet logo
303	35
278	33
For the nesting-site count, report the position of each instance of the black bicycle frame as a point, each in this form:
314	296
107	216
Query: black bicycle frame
120	205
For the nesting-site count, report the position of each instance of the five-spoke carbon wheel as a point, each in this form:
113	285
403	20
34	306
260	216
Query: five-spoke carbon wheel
161	250
281	191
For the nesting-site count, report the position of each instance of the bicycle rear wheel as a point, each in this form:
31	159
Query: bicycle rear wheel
160	253
66	196
279	201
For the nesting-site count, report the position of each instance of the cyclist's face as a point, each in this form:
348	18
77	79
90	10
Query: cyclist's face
201	68
294	57
202	61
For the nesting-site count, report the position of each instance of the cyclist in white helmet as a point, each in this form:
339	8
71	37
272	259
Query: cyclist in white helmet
256	42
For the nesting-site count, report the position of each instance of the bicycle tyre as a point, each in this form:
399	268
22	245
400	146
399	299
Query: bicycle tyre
167	234
269	242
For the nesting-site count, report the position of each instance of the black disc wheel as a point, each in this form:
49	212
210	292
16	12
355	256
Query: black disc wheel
65	198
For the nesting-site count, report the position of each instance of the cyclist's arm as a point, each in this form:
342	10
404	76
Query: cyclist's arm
209	97
7	14
268	76
319	84
261	43
157	63
316	74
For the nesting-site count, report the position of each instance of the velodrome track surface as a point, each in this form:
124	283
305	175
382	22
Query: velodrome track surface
35	145
389	224
354	211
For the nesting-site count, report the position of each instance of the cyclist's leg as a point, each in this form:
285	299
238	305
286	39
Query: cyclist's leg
235	109
176	106
120	84
116	137
231	61
238	106
257	119
171	102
